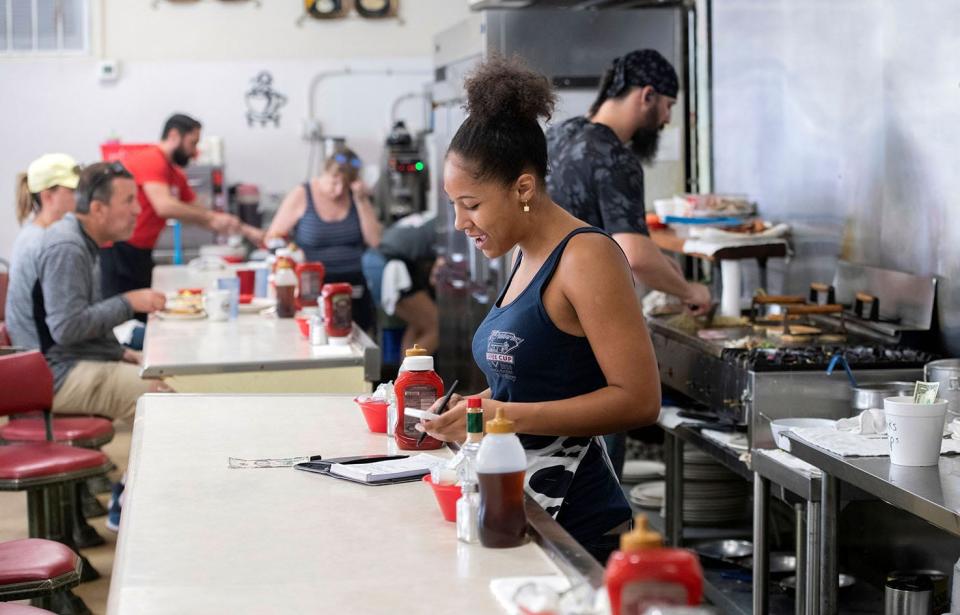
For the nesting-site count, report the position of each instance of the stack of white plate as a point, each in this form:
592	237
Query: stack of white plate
648	495
712	494
641	470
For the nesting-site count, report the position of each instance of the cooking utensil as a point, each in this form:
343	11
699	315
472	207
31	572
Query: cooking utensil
777	563
940	598
725	550
908	595
708	317
871	395
790	583
947	373
442	408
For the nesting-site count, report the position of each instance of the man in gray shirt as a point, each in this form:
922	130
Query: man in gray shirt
93	373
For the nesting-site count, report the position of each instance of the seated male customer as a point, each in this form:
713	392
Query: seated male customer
92	372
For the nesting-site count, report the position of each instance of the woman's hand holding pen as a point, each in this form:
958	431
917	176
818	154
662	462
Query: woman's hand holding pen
452	424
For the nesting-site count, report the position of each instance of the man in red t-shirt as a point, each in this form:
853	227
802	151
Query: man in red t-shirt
163	192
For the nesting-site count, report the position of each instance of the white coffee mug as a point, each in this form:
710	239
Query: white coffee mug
217	304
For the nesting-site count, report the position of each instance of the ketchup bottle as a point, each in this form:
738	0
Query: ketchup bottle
417	387
643	573
338	310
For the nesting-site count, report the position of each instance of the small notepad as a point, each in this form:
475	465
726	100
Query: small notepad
391	469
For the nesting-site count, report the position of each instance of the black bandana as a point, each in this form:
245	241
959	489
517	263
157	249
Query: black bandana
642	68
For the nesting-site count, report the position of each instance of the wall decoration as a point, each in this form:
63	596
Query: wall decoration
263	102
375	9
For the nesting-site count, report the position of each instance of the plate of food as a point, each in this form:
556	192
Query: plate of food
257	304
183	307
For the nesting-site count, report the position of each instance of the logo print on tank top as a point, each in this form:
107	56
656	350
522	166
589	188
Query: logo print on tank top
500	347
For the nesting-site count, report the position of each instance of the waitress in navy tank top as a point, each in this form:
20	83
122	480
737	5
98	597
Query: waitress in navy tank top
565	348
332	220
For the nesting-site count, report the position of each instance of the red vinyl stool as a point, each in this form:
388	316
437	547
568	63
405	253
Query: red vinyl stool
37	569
83	431
45	470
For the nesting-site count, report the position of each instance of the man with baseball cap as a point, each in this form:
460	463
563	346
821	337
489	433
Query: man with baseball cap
44	194
596	173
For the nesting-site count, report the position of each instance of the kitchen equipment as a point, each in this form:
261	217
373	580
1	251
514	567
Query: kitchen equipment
908	595
866	396
941	585
777	563
947	373
757	379
843	580
725	550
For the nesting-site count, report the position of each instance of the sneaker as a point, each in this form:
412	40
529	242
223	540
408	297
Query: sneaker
116	503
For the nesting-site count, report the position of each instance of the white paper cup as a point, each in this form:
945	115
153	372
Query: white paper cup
915	431
217	304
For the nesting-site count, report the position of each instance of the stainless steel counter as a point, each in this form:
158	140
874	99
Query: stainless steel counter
930	493
198	537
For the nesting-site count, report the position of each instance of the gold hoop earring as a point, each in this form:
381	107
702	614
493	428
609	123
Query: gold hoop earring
526	206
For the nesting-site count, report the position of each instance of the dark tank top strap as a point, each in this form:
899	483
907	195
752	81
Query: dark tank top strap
546	272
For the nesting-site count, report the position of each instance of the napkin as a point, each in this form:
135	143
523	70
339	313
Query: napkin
868	422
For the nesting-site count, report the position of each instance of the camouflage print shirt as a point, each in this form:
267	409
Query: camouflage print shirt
596	177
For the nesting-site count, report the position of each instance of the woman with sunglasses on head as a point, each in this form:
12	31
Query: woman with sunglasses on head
45	193
331	219
565	349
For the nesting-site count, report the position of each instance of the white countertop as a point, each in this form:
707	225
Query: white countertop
252	342
197	537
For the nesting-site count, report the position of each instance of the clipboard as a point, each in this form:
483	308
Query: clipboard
323	467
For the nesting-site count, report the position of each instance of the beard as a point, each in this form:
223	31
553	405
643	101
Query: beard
180	157
644	144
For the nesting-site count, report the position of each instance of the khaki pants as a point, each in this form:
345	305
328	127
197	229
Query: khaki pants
106	388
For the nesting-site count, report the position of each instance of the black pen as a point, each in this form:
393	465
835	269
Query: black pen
443	406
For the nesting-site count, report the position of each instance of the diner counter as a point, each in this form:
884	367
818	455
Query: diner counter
253	354
198	537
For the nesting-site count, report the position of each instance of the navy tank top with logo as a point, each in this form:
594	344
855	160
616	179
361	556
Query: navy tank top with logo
338	245
526	358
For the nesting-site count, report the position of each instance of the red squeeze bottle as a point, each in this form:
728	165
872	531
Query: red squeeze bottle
643	573
417	387
338	309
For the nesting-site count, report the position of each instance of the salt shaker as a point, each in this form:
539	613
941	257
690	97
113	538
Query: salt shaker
318	333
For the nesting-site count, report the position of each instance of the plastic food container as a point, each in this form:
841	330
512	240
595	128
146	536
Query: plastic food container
447	496
374	413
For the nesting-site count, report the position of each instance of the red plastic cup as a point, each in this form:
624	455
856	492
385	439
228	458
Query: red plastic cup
304	324
247	278
447	496
374	413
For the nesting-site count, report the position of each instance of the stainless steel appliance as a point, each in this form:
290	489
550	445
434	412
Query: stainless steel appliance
469	283
755	385
404	177
947	373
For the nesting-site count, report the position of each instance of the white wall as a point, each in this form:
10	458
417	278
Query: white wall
200	59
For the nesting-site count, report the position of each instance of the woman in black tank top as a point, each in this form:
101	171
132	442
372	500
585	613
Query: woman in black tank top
565	348
332	220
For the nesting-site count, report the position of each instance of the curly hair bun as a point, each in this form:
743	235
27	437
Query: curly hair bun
505	88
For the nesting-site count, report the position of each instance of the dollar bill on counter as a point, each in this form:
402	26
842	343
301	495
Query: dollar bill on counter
925	392
288	462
